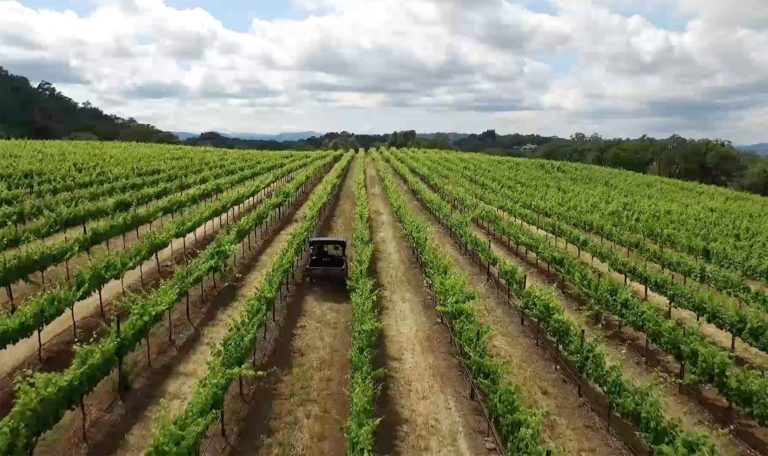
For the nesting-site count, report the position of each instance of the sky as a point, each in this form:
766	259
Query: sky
619	68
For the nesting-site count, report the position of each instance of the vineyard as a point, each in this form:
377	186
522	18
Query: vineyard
155	300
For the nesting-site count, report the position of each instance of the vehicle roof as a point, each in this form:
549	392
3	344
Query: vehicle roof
332	240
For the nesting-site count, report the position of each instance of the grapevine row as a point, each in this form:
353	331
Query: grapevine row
364	383
707	273
45	168
705	362
61	209
67	217
749	324
519	425
183	434
42	401
640	405
42	309
718	226
20	264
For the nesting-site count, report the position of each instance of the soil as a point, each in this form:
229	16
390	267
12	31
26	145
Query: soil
57	273
172	395
426	405
746	353
58	338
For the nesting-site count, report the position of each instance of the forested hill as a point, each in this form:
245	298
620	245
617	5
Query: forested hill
42	112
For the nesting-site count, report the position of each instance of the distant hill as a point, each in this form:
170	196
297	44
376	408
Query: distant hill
184	135
760	148
285	136
452	136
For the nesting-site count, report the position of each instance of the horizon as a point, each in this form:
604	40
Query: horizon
614	67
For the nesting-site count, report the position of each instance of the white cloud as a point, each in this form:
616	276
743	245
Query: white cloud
378	65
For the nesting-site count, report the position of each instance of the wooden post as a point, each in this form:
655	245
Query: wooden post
101	305
9	292
149	354
170	327
647	346
188	318
119	356
74	322
82	413
39	346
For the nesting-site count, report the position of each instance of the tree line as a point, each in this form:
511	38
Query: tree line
43	112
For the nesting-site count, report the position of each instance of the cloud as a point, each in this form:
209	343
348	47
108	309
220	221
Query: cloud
378	65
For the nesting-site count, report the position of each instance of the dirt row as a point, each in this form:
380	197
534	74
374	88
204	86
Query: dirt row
426	403
303	405
571	427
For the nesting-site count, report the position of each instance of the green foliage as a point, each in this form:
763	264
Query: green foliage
43	112
39	310
640	405
182	435
364	384
748	323
706	362
42	400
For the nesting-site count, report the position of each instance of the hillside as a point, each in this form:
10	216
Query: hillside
760	148
42	112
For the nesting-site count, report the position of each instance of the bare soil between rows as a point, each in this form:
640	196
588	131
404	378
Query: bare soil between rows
426	403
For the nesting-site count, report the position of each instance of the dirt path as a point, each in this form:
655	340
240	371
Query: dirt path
58	333
172	395
426	405
309	397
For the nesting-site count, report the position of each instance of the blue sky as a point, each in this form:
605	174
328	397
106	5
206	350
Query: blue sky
615	67
233	14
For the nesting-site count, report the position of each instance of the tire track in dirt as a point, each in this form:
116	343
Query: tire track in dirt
309	396
426	404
